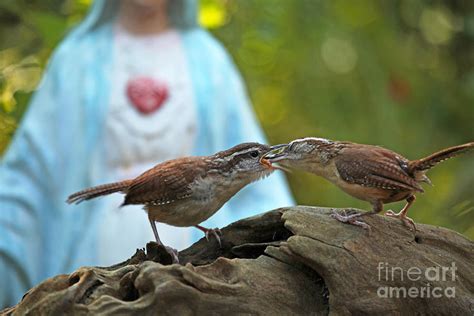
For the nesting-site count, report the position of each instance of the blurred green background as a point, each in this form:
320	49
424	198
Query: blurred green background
394	73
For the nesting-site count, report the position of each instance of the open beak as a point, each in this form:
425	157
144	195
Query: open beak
277	152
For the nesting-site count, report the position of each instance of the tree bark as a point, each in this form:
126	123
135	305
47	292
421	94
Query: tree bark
295	260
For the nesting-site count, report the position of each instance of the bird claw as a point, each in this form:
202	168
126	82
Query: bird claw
173	253
407	221
216	232
350	219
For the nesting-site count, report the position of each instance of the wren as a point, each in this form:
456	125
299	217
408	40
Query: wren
186	191
370	173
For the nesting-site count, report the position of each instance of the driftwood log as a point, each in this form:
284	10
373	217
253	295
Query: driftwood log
288	261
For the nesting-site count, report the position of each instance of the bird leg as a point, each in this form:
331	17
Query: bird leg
216	232
353	218
173	252
402	215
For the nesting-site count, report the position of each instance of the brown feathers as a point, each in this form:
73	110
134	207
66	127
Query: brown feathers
437	157
376	167
167	182
100	190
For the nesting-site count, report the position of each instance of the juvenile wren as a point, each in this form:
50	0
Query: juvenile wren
187	191
367	172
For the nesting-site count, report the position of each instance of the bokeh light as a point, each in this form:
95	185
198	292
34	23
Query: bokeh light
394	73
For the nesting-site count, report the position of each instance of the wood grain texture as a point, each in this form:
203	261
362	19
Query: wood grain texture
288	261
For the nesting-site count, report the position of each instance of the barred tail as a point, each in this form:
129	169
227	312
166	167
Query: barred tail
100	190
442	155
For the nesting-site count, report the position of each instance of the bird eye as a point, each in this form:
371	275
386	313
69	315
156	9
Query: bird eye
254	154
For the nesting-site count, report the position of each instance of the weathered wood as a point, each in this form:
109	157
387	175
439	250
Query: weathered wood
288	261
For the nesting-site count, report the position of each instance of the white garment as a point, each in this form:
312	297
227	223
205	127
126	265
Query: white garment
135	142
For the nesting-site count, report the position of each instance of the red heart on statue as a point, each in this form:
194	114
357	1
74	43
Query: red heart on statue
146	94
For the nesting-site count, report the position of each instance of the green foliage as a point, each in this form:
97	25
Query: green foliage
394	73
29	31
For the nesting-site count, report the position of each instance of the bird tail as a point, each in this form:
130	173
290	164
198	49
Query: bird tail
442	155
97	191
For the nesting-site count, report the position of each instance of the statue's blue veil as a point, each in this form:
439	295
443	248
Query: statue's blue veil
182	14
58	149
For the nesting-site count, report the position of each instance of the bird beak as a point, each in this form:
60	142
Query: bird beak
277	151
278	146
425	179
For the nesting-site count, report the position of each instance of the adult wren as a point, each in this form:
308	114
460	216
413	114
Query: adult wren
366	172
187	191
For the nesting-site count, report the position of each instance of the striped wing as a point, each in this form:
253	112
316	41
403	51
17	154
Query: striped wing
165	183
375	167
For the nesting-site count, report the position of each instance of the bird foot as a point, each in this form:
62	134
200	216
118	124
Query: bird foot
216	232
407	221
173	253
160	253
350	219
